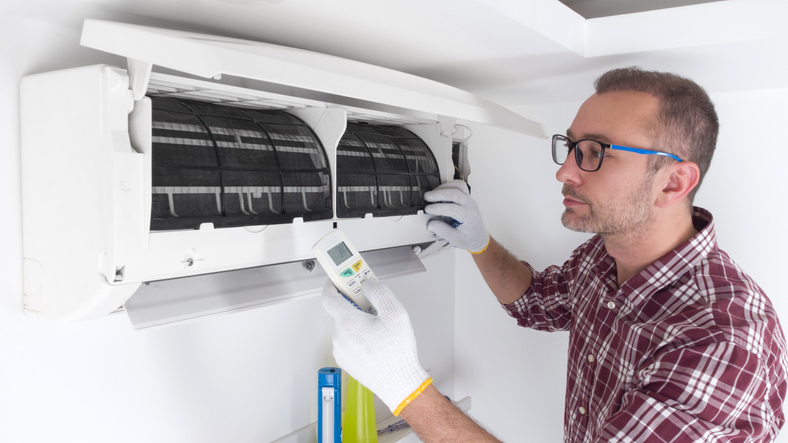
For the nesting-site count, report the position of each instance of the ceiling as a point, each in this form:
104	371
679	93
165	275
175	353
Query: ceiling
512	52
606	8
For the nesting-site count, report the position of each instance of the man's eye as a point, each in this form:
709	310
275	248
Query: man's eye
597	153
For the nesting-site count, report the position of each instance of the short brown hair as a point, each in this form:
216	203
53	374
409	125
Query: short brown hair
687	122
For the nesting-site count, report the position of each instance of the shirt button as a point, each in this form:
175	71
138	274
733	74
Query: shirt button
611	305
590	358
581	410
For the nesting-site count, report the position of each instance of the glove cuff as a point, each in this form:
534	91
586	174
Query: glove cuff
412	396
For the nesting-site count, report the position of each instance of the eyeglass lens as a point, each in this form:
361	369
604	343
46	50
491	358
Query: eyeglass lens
588	153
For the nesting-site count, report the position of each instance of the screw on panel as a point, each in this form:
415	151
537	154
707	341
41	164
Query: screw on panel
309	265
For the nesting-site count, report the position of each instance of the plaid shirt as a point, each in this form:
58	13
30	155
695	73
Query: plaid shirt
689	350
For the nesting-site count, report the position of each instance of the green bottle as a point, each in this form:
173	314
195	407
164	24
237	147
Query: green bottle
359	424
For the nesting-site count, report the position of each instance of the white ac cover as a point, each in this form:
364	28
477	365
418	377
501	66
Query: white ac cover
89	168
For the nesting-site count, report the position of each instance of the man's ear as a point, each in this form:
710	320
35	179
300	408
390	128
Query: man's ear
678	180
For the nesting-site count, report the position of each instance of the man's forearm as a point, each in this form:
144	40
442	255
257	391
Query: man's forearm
436	420
507	277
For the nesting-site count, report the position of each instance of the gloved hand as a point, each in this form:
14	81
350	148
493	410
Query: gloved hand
377	350
453	200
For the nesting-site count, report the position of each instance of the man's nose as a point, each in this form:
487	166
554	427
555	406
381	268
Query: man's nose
569	172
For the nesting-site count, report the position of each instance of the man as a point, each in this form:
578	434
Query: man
669	340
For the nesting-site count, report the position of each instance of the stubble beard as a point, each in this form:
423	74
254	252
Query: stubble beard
611	219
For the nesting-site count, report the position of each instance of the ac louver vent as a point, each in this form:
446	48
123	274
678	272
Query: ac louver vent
383	170
232	167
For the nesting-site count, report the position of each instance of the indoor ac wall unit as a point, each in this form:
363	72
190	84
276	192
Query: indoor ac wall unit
244	158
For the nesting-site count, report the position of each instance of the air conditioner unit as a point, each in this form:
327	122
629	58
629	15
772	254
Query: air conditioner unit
238	155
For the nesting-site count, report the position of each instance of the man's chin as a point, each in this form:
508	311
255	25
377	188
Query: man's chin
574	222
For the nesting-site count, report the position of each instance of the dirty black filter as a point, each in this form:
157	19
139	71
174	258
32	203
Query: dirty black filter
232	167
383	170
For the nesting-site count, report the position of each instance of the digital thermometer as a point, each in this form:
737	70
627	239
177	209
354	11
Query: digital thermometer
344	265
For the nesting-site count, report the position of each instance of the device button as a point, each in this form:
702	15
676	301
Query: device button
357	265
351	283
357	291
367	272
346	273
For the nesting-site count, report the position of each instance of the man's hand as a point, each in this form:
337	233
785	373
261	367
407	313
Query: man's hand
377	350
453	200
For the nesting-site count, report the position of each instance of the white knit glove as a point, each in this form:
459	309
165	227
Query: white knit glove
453	200
377	350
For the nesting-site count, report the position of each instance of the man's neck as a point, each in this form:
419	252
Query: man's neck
635	251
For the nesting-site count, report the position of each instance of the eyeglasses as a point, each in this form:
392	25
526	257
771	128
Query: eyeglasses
589	153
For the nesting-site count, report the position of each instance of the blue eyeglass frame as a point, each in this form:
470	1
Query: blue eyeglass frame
573	145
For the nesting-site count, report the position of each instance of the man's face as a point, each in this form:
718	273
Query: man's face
618	198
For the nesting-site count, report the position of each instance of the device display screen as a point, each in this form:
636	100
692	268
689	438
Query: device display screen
339	253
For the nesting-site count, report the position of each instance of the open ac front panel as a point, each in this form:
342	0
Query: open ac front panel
200	177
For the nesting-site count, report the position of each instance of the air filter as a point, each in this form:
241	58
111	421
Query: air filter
383	170
232	167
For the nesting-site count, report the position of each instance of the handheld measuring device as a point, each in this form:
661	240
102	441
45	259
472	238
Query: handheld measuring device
345	266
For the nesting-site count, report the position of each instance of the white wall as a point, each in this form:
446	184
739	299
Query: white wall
516	376
245	377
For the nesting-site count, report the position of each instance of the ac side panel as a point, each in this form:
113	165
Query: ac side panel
66	145
129	198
